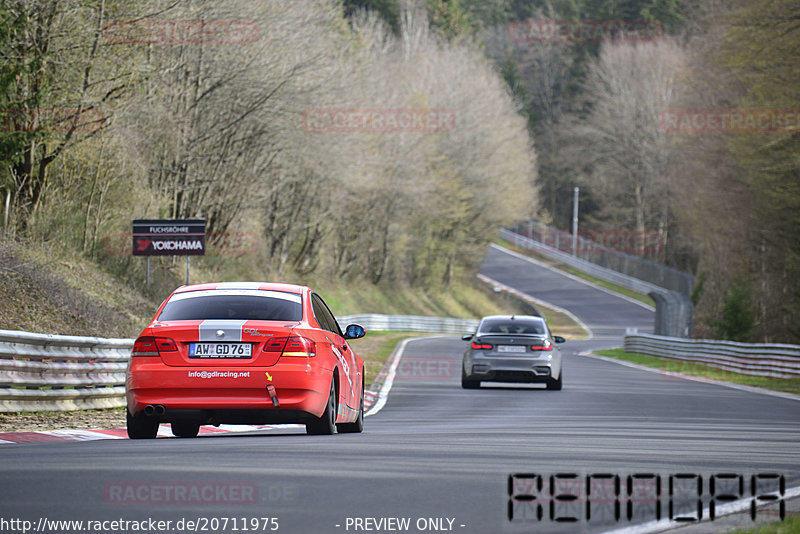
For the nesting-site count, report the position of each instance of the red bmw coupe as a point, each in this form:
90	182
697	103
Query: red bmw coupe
244	353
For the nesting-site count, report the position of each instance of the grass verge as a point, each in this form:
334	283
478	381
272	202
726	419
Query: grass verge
580	274
462	299
376	348
791	525
80	419
786	385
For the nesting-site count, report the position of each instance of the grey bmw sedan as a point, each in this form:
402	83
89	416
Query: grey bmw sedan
512	348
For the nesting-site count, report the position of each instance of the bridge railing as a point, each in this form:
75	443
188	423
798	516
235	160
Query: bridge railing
589	252
673	308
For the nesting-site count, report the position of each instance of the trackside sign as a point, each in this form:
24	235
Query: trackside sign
169	237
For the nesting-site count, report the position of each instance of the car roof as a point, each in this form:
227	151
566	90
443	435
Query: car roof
265	286
513	317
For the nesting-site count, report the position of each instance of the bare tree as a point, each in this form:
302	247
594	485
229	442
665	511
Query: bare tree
630	86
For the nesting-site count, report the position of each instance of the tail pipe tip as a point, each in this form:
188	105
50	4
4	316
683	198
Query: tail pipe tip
154	409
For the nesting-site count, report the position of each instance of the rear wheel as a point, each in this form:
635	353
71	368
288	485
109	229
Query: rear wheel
141	427
358	425
466	383
326	424
185	429
556	385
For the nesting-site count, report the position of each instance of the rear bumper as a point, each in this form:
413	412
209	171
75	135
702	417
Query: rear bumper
512	369
228	393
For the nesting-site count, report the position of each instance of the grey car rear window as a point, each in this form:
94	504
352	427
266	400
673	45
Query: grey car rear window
218	305
515	326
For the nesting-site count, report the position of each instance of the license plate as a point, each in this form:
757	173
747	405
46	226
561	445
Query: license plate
511	348
220	350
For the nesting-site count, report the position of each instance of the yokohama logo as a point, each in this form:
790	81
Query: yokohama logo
177	245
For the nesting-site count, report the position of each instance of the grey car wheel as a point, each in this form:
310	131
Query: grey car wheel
467	383
556	385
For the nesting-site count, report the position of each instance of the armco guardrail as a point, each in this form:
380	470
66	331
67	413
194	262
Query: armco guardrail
410	323
50	372
758	359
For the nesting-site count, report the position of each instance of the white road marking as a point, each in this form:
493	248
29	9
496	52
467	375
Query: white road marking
383	394
735	507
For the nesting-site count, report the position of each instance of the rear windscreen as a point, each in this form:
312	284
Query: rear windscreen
516	326
233	304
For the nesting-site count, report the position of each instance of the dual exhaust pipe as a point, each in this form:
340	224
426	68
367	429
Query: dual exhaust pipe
154	410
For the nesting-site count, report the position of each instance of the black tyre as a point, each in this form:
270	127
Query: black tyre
358	425
185	429
141	427
556	385
466	383
326	424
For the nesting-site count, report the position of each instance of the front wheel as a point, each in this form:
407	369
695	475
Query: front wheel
358	425
326	424
141	427
185	429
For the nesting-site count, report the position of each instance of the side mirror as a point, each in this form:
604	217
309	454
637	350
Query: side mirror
559	339
466	337
354	331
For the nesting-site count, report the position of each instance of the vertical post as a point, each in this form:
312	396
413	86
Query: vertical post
8	206
148	273
187	270
575	222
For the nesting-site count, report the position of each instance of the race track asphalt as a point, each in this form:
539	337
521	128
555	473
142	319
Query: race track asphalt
437	453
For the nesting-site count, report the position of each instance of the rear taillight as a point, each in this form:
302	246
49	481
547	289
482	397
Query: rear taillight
299	346
274	345
481	346
165	344
544	345
145	346
153	346
294	346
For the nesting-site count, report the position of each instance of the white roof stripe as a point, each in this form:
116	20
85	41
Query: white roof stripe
292	297
239	285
